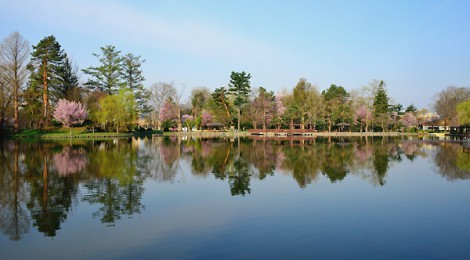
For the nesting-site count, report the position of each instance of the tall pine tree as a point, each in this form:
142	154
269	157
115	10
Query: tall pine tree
381	105
239	88
46	60
133	79
107	77
68	85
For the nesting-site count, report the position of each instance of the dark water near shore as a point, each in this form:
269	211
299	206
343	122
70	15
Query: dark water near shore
234	198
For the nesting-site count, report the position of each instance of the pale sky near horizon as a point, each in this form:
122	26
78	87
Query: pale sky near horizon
417	47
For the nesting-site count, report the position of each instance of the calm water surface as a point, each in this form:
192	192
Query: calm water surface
222	198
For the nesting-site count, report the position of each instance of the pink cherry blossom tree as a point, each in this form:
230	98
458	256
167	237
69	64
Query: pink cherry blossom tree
70	113
280	110
409	120
363	116
206	118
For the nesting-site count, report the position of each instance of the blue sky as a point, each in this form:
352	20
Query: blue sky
417	47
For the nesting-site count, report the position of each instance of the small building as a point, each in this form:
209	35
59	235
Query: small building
216	126
343	126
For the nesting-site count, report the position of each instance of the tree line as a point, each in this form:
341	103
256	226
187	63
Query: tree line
34	79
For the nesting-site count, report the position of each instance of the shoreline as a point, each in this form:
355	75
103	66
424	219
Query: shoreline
310	135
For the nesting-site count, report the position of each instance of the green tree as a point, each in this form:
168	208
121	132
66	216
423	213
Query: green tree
381	105
106	77
220	105
411	109
117	111
199	98
336	107
239	88
46	60
463	112
67	85
299	101
133	79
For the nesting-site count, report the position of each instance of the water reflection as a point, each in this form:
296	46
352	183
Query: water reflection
40	182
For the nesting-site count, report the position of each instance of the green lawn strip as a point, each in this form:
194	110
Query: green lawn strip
77	132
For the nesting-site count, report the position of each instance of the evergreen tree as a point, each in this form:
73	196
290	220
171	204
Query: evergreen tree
381	105
411	108
46	61
239	87
107	77
221	105
133	79
68	85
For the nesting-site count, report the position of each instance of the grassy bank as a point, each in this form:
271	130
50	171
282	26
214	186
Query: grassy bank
76	132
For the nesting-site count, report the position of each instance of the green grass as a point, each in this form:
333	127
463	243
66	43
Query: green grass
76	132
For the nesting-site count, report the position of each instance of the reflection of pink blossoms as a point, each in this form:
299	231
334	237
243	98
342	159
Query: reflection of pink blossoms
206	149
363	154
280	158
409	148
69	161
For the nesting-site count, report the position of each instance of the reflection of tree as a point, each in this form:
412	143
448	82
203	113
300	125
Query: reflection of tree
303	161
336	160
410	149
51	196
199	164
262	154
380	160
70	161
160	158
451	162
116	199
218	157
239	179
118	179
14	219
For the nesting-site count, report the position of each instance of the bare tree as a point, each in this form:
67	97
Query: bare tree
14	54
5	96
161	92
447	100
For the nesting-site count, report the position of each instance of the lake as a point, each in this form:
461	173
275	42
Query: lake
184	197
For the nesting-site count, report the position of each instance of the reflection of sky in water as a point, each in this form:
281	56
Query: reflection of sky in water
197	216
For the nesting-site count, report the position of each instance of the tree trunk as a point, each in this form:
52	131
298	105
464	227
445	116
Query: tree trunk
238	129
15	108
45	99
